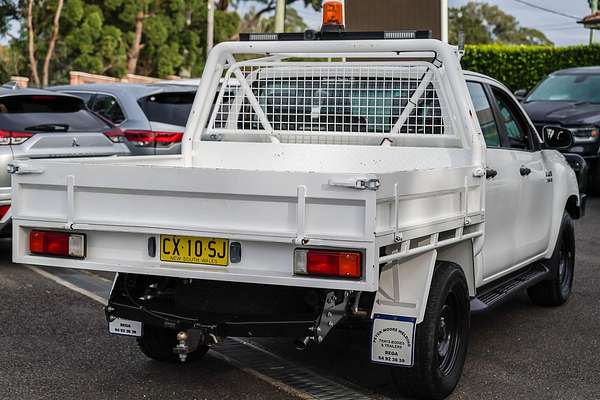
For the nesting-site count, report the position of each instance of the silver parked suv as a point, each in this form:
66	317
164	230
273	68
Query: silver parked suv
152	117
42	124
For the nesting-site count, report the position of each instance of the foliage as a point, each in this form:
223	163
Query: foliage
521	67
98	36
9	63
483	23
293	22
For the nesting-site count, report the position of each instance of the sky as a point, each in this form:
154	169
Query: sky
563	31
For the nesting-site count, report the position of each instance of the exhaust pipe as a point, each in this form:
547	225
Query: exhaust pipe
302	344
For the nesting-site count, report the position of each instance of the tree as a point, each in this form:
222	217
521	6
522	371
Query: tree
484	23
293	22
110	37
267	6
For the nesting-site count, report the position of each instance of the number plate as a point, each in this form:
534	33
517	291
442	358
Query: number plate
125	327
194	250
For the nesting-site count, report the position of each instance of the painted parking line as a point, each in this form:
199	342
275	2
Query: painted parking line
244	354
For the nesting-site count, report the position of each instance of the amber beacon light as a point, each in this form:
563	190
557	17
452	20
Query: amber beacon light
333	14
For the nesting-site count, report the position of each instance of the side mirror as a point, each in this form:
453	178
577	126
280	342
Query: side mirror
521	94
558	138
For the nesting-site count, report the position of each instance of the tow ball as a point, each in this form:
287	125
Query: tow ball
182	349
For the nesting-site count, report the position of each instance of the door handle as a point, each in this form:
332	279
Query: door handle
490	173
525	171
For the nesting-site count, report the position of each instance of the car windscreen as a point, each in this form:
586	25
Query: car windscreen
47	113
168	108
568	87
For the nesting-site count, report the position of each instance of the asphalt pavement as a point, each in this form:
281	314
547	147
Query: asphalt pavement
54	345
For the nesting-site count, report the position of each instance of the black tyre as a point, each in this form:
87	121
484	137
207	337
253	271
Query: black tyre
556	290
441	339
158	343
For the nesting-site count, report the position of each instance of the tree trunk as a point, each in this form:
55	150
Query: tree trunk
134	53
52	43
31	44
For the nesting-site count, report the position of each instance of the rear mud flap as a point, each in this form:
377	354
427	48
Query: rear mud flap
392	340
399	306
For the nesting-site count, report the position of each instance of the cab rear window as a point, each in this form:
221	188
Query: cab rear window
41	113
168	108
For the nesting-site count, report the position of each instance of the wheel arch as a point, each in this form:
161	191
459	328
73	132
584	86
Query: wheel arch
573	207
566	197
404	285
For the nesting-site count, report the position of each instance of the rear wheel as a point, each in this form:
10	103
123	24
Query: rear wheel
157	343
556	290
441	339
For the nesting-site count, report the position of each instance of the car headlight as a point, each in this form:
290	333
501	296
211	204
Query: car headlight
586	132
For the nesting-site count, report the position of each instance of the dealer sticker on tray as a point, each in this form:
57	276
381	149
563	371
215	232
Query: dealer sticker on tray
392	340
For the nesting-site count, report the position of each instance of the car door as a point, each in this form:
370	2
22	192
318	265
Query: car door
534	208
503	181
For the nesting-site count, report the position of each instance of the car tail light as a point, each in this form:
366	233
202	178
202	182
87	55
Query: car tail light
3	210
168	138
115	135
62	244
343	264
11	137
144	138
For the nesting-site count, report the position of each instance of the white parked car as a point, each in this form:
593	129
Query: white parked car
318	191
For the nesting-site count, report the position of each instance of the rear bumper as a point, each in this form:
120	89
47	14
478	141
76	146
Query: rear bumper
221	308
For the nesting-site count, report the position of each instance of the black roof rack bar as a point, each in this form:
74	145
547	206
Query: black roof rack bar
336	35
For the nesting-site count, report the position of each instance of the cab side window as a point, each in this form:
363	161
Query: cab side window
484	114
513	122
109	108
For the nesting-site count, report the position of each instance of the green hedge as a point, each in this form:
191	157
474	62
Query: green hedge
521	67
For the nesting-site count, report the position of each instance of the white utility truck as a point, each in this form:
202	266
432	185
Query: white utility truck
337	176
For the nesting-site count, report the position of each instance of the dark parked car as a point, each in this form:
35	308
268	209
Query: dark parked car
153	117
570	99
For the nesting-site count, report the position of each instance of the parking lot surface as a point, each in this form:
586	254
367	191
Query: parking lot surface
55	346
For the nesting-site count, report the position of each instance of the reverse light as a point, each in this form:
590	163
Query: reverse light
62	244
115	135
11	137
145	138
342	264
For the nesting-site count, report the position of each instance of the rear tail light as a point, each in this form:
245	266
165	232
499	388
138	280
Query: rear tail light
143	138
61	244
3	210
11	137
115	135
342	264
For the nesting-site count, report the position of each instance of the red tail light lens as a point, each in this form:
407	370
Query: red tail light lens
10	137
62	244
3	210
343	264
143	138
115	135
168	138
